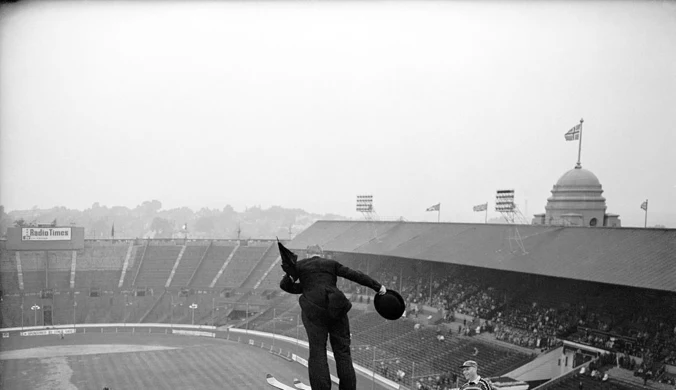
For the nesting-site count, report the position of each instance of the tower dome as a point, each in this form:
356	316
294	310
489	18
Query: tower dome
578	177
577	190
577	200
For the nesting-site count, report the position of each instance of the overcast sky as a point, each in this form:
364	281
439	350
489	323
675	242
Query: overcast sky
307	104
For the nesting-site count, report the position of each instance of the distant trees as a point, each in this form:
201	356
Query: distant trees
204	225
162	227
149	208
100	228
5	221
148	219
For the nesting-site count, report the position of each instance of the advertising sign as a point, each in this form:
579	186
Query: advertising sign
45	238
193	333
45	234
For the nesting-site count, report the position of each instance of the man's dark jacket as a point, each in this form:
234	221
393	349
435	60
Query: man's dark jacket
321	299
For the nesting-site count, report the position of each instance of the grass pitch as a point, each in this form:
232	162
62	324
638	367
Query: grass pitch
191	363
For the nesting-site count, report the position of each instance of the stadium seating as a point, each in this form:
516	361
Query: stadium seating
211	264
9	282
157	265
105	280
34	281
263	266
573	383
59	260
272	279
285	319
284	305
102	256
189	262
241	265
7	259
10	311
100	265
399	342
519	308
59	280
134	265
62	304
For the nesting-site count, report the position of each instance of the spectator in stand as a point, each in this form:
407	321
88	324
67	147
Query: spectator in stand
474	381
594	374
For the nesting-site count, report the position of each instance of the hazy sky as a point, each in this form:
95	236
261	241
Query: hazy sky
307	104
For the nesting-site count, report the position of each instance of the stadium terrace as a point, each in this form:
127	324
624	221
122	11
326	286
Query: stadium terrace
575	293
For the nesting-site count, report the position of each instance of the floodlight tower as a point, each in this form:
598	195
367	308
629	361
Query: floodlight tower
504	204
365	206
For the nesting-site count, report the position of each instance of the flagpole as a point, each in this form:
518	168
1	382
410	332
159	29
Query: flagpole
645	224
486	215
579	149
439	213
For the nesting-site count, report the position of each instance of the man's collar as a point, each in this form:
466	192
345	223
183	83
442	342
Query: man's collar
476	380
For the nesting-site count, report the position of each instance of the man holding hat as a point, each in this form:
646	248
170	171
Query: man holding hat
474	381
324	312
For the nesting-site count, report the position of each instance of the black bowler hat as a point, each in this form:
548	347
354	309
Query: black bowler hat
390	305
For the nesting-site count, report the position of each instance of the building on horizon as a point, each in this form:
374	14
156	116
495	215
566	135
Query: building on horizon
577	201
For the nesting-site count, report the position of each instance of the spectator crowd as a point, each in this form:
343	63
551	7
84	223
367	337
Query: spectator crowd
539	312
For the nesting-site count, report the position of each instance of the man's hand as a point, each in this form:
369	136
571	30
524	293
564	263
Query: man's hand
290	270
382	291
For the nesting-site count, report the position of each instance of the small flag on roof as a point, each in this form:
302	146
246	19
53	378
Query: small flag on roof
574	133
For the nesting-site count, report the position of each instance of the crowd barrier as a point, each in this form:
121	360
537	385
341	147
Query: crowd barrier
231	334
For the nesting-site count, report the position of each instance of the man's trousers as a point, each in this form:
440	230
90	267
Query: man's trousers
338	332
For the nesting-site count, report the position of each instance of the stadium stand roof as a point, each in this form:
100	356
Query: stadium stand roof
643	258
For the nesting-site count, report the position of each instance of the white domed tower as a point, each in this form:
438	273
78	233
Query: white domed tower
576	201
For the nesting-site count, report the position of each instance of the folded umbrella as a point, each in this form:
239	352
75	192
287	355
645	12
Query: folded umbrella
288	257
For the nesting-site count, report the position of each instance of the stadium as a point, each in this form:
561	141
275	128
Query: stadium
223	109
209	313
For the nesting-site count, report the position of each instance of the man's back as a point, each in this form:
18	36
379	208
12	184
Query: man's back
317	273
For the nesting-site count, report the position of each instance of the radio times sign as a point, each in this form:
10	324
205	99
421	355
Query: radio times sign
47	238
46	234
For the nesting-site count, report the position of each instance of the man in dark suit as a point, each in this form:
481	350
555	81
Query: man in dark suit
324	312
